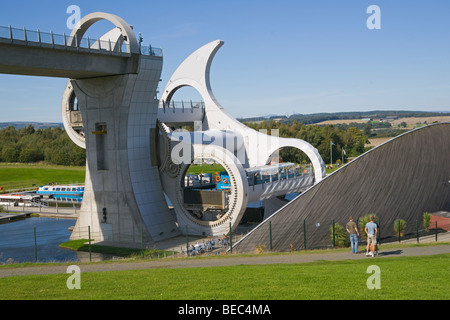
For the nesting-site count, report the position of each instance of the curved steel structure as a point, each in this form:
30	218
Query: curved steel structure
235	146
126	32
195	72
401	179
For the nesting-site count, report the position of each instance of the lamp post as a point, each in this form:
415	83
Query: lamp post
331	153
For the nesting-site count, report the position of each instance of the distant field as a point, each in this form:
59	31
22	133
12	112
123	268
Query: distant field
414	120
340	121
375	142
410	121
17	176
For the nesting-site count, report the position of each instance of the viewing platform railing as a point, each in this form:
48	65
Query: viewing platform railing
182	105
58	41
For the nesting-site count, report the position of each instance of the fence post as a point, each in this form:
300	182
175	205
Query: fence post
379	230
334	235
435	228
417	230
35	246
90	251
270	234
142	241
231	240
399	231
187	241
304	233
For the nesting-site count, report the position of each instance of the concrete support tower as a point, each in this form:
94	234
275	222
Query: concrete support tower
123	200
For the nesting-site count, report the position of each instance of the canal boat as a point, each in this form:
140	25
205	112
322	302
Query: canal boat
61	190
19	200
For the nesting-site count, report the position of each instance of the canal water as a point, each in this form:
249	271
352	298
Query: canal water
18	244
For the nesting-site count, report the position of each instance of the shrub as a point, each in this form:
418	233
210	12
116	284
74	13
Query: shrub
426	221
362	224
341	237
260	248
399	226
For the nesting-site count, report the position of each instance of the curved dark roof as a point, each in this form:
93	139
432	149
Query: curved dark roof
400	179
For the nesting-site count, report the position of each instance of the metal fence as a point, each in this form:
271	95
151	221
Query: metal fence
285	236
58	41
39	243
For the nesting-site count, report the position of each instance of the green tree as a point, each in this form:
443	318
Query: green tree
51	145
30	155
10	154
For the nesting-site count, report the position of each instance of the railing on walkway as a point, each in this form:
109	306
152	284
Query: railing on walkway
58	41
183	105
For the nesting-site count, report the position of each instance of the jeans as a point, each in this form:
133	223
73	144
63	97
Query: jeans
354	242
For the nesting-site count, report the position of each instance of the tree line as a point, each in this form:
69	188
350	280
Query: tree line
53	145
30	145
330	141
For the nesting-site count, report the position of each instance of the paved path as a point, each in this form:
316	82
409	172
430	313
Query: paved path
61	213
225	261
6	217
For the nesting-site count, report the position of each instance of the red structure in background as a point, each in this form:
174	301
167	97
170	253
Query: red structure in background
442	222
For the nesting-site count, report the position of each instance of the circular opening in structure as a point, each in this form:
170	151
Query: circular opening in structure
290	165
291	155
206	188
74	115
104	35
73	102
186	97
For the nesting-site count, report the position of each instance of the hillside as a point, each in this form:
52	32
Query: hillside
338	117
36	125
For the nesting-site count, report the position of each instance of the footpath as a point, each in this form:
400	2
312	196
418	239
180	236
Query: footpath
230	260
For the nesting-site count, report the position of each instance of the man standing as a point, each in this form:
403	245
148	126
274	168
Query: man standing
352	229
371	231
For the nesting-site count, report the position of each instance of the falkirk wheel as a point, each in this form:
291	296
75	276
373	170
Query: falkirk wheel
139	152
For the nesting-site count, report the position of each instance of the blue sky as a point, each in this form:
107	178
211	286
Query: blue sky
279	57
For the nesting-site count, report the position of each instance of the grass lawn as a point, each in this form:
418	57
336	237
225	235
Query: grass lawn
15	176
403	278
197	169
83	245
